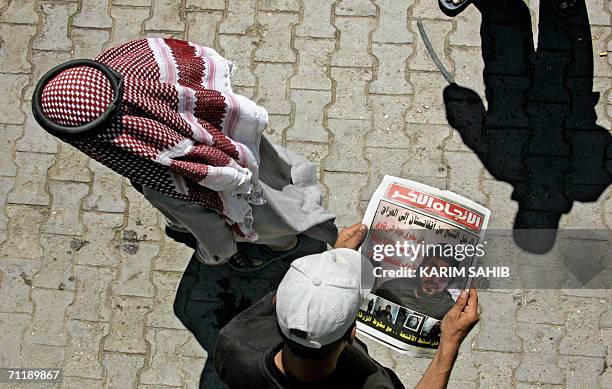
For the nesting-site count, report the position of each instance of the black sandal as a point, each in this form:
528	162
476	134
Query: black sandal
453	7
181	236
251	257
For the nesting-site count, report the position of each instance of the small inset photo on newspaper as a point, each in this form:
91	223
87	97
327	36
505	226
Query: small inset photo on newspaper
420	242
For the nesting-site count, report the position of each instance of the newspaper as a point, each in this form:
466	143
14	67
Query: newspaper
422	243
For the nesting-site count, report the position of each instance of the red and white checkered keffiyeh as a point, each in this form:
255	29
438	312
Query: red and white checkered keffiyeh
179	129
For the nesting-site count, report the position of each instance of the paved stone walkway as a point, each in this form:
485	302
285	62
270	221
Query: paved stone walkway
87	277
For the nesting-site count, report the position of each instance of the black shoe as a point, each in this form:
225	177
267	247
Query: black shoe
252	257
182	236
451	8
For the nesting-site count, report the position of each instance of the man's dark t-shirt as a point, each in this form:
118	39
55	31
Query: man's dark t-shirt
245	350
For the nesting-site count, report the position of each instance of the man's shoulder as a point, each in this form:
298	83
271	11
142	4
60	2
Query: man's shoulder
366	372
243	343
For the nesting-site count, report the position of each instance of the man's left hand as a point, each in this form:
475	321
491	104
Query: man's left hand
351	237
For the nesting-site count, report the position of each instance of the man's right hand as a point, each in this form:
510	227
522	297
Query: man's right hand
460	319
457	323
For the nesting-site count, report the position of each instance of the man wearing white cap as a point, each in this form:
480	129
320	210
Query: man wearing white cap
303	336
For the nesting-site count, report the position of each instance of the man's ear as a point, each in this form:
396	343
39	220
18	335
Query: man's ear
274	300
354	332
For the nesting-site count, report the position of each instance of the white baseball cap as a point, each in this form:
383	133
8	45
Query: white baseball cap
320	296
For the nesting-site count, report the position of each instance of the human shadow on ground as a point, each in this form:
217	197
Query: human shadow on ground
539	132
208	297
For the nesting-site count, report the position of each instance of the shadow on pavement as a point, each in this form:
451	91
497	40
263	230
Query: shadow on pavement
539	132
208	297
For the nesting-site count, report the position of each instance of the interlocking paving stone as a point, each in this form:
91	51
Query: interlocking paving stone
12	326
343	196
279	5
92	293
122	369
464	175
93	13
173	256
597	13
469	68
23	232
162	314
23	12
467	30
342	62
313	65
135	269
581	372
143	218
55	271
437	32
350	102
309	115
240	17
127	325
79	383
88	43
9	133
347	147
313	152
54	31
238	49
35	139
10	106
84	348
70	165
540	306
581	323
277	124
205	4
388	121
495	369
65	208
355	8
35	355
136	3
164	362
316	20
106	192
272	87
202	27
16	276
380	164
540	360
497	323
48	326
128	23
166	16
14	38
275	45
191	369
391	76
428	106
96	247
353	38
426	157
6	184
392	25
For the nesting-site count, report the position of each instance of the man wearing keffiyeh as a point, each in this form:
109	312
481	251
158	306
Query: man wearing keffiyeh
162	113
